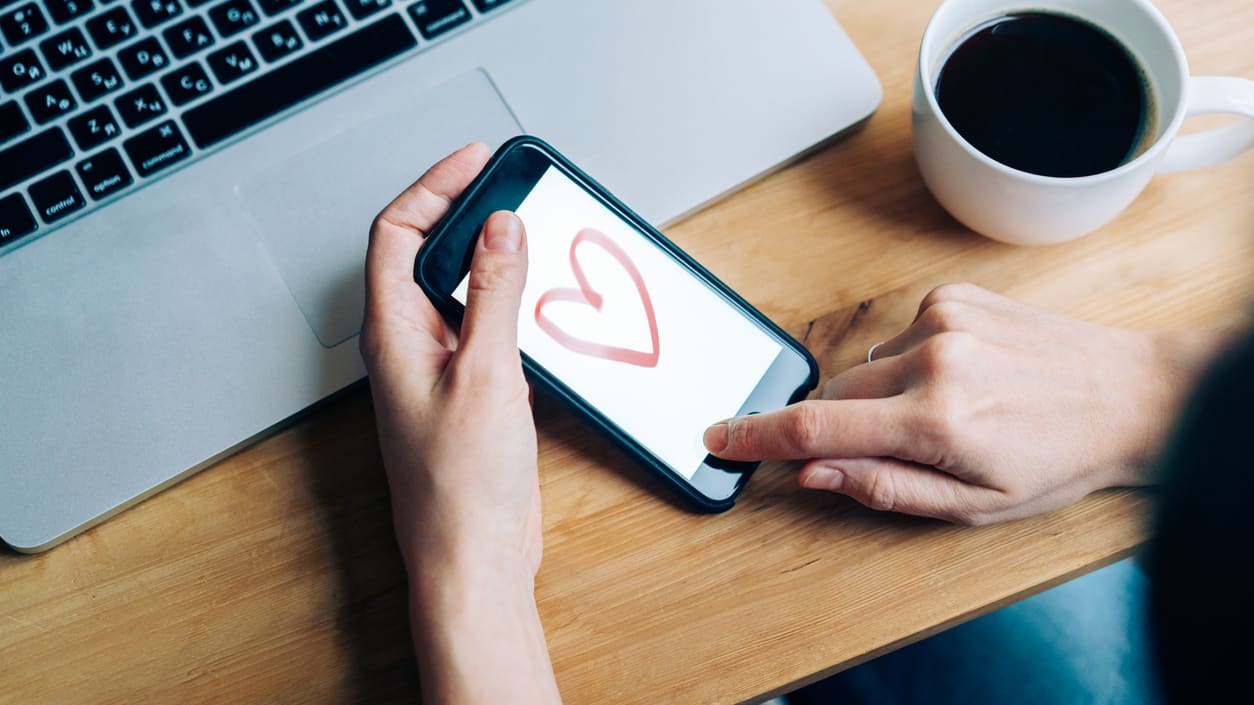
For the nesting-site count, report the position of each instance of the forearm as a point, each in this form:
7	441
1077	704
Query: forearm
478	636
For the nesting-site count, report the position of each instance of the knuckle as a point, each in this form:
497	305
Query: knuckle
945	352
881	492
957	291
943	417
803	427
947	316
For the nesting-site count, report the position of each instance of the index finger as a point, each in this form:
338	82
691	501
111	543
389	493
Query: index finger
847	428
399	229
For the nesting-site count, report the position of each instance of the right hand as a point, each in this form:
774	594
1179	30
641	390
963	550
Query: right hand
983	410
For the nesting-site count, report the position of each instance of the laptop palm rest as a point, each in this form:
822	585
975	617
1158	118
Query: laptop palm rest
316	234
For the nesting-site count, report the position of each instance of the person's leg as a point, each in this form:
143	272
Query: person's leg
1086	641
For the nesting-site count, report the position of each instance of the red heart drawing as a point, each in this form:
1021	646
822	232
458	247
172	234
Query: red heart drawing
586	295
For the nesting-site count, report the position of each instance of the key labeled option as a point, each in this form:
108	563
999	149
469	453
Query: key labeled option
56	197
20	70
94	127
49	102
140	105
186	84
104	174
16	219
157	148
96	79
232	62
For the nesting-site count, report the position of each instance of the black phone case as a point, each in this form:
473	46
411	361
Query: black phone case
449	306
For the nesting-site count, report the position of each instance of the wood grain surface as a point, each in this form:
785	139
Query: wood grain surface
273	577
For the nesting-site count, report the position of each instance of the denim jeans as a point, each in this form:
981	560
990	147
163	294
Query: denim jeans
1083	642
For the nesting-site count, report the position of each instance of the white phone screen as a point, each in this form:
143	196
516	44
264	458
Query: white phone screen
628	328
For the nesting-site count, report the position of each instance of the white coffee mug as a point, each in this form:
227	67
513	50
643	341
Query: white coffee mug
1028	209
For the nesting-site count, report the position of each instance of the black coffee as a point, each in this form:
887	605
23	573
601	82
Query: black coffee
1047	94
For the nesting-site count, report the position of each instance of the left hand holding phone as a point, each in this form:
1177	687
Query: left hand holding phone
459	446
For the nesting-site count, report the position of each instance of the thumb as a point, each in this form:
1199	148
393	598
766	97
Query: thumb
498	273
891	485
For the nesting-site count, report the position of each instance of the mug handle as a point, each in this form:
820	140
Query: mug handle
1214	94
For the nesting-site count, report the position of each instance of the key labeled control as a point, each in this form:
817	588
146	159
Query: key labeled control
56	197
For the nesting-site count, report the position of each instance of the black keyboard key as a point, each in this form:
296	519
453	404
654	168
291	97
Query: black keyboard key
196	3
143	58
488	5
187	83
16	219
56	196
110	28
63	11
277	41
274	7
22	22
94	127
188	37
104	174
153	12
435	17
361	9
96	79
68	47
232	62
24	159
12	121
50	101
321	19
140	105
299	80
20	70
157	148
233	17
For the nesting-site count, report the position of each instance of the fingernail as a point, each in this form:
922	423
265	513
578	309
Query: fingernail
716	437
824	478
503	232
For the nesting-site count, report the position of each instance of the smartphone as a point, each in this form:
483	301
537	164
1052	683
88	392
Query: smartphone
618	322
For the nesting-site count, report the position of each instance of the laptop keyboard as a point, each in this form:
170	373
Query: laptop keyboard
102	96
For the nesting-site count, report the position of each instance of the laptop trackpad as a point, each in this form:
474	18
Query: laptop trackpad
315	207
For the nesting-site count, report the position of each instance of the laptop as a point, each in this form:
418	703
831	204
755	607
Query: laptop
186	188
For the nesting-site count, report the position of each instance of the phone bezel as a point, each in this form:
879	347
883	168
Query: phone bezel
504	184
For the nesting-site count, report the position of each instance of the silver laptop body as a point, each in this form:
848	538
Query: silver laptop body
158	330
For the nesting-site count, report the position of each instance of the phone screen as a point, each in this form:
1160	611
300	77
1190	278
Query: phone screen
629	328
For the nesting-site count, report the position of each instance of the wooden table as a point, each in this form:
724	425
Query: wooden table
273	577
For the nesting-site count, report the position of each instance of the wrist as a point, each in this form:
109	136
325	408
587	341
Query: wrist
1176	361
